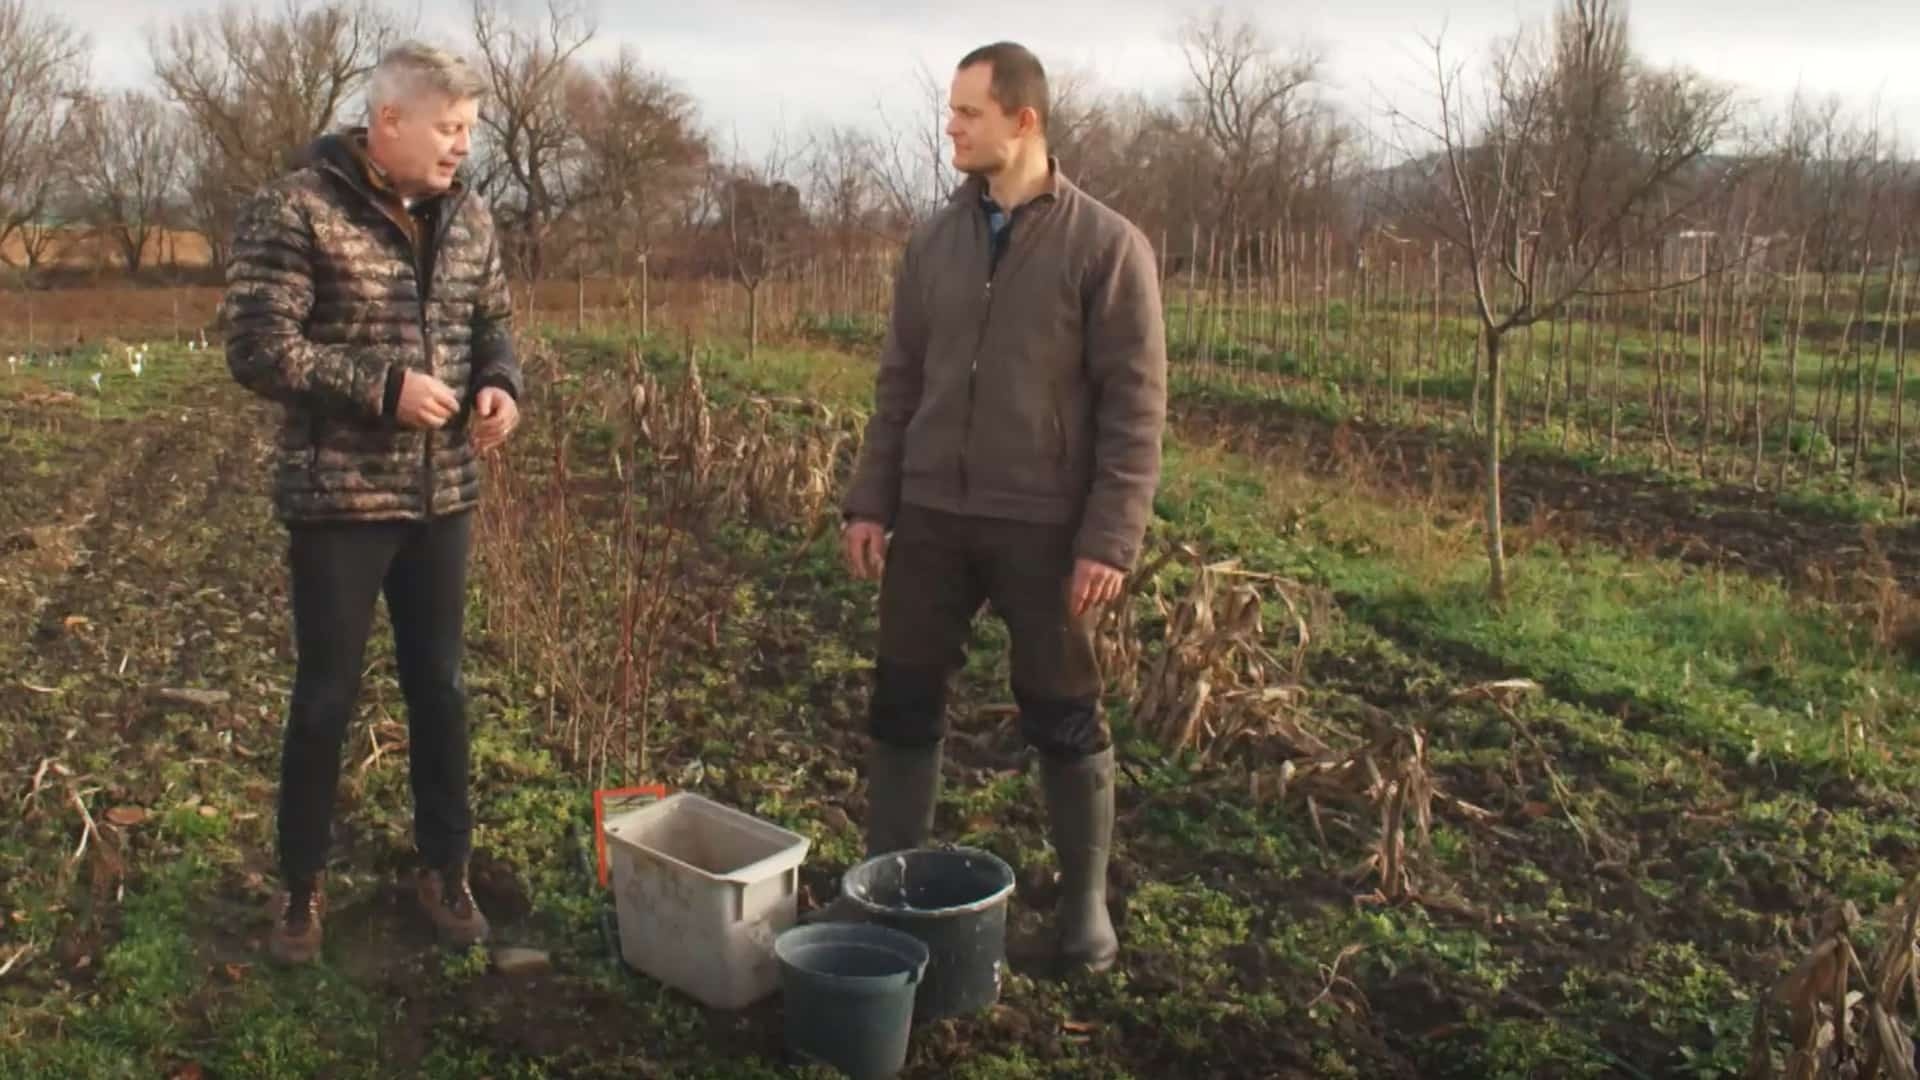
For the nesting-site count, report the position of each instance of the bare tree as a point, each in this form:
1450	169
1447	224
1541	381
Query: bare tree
128	168
211	192
1247	99
533	82
844	195
762	224
41	63
1839	164
643	159
257	88
1100	138
912	164
1576	153
35	221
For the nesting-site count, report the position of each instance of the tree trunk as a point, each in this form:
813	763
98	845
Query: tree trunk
1496	550
1479	384
1734	305
1472	357
1855	318
1756	347
1613	393
1663	397
1323	242
1212	311
753	321
1524	399
1596	311
1230	325
1863	401
1900	399
1797	305
133	246
1434	362
1193	283
1553	360
1706	353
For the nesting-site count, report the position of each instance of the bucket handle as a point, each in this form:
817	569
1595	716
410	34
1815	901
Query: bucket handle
789	881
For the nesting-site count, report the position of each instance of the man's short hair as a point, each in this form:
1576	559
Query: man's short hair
413	70
1019	82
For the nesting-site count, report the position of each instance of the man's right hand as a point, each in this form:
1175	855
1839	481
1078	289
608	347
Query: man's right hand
865	543
426	402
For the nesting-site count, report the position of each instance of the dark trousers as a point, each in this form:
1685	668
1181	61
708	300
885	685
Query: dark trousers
339	571
940	569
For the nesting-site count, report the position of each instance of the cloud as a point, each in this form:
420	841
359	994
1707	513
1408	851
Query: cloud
758	67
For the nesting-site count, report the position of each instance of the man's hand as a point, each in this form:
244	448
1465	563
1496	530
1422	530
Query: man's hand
425	402
498	414
1094	583
865	543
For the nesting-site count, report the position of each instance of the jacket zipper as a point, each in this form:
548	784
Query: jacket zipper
423	277
980	338
426	460
423	280
973	372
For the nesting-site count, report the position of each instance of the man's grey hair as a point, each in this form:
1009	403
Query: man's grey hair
414	70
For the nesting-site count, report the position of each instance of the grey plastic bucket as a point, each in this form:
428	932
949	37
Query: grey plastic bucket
848	992
954	900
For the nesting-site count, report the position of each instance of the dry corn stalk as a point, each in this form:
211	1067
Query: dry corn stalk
1843	1019
743	459
1215	680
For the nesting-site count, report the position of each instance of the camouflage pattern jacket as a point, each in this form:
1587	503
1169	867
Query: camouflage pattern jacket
335	289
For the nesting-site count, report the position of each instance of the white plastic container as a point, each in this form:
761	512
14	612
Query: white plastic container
701	890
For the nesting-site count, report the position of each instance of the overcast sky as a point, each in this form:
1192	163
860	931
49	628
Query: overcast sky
757	66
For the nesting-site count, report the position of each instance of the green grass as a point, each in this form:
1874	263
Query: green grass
1719	659
170	375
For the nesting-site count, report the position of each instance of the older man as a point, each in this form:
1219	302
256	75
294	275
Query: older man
1012	457
366	297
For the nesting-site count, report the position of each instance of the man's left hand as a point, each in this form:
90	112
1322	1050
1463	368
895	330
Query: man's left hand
498	416
1094	583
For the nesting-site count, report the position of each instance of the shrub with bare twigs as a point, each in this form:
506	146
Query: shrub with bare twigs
679	466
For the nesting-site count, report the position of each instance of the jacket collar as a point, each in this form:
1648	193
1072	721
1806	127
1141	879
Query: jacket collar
344	153
974	189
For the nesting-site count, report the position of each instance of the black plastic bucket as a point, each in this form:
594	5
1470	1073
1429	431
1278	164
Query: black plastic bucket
848	991
955	901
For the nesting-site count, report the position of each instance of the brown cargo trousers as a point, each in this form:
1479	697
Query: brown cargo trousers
940	569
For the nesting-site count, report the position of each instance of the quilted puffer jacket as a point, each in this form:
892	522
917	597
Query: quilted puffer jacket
335	289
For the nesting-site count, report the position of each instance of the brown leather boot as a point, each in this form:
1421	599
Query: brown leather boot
296	922
448	901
